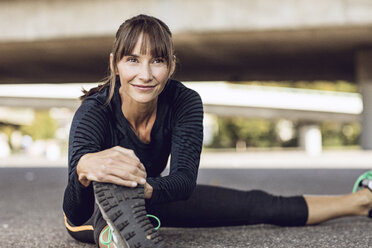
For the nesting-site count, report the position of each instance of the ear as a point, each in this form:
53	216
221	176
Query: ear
112	67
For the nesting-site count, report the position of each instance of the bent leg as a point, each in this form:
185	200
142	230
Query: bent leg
90	231
83	233
211	206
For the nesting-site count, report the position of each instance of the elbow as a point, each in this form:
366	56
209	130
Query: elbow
188	190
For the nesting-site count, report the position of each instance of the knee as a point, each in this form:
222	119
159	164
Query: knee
285	211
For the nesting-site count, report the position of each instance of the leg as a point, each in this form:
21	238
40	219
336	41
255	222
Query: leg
216	206
322	208
90	231
83	233
100	226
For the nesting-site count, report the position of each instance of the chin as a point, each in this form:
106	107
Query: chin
144	99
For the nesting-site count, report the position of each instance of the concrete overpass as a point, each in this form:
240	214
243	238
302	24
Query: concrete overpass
63	41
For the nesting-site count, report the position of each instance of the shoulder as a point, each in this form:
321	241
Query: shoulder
177	92
93	108
99	97
185	103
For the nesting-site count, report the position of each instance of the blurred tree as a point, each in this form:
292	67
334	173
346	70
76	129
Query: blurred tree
351	133
262	133
233	132
253	132
43	126
7	129
340	134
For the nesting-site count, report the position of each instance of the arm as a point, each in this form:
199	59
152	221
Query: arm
90	161
86	136
187	138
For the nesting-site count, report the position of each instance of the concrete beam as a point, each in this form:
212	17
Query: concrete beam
49	19
63	41
311	54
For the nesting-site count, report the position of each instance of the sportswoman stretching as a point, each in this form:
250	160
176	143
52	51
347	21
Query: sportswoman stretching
120	141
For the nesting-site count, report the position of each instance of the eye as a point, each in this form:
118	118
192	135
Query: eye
159	60
132	59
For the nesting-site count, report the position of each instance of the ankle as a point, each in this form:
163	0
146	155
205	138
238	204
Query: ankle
364	201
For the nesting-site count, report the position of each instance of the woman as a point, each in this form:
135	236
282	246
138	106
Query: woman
120	141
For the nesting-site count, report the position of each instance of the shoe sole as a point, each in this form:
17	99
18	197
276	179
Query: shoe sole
124	210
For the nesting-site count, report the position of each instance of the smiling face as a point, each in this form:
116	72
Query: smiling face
142	76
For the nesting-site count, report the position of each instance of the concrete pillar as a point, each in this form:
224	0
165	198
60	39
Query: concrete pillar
364	79
310	139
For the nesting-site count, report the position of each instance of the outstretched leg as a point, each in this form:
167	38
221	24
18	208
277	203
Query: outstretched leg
211	206
216	206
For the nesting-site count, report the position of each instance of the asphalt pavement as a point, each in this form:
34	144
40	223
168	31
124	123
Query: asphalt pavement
31	210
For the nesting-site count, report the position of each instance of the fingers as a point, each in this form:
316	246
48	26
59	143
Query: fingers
121	177
142	167
117	165
148	191
126	156
122	167
128	152
129	174
124	164
120	181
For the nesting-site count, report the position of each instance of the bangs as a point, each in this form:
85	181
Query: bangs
154	41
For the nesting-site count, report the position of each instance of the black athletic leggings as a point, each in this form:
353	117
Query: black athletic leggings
211	206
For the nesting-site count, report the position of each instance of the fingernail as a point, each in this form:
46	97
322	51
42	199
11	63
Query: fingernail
142	181
134	184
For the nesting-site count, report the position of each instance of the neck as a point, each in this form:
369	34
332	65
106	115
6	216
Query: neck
139	115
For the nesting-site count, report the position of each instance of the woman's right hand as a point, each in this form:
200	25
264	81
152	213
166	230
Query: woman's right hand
116	165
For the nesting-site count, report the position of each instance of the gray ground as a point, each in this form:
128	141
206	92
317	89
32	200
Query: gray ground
31	214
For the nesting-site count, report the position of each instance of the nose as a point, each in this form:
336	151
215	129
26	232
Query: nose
145	73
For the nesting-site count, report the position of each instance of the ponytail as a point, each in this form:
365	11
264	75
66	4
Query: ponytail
109	81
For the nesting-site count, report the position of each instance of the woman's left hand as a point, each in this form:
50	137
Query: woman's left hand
148	191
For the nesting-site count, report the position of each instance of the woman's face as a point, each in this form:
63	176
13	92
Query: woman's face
142	76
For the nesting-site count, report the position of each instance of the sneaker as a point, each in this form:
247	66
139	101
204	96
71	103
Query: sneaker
124	210
363	181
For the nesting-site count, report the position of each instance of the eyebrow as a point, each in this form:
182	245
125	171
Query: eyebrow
137	56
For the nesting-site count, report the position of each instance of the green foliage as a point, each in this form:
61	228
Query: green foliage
254	132
7	130
43	126
262	133
338	134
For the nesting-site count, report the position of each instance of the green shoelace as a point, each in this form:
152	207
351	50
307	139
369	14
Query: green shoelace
367	175
108	229
109	239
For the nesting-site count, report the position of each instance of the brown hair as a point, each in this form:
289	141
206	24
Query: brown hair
156	36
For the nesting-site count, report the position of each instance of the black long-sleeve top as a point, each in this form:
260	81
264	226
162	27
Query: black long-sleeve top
177	131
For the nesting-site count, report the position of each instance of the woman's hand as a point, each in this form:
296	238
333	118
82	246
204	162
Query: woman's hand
116	165
148	191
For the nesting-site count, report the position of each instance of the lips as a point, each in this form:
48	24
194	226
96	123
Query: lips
143	86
